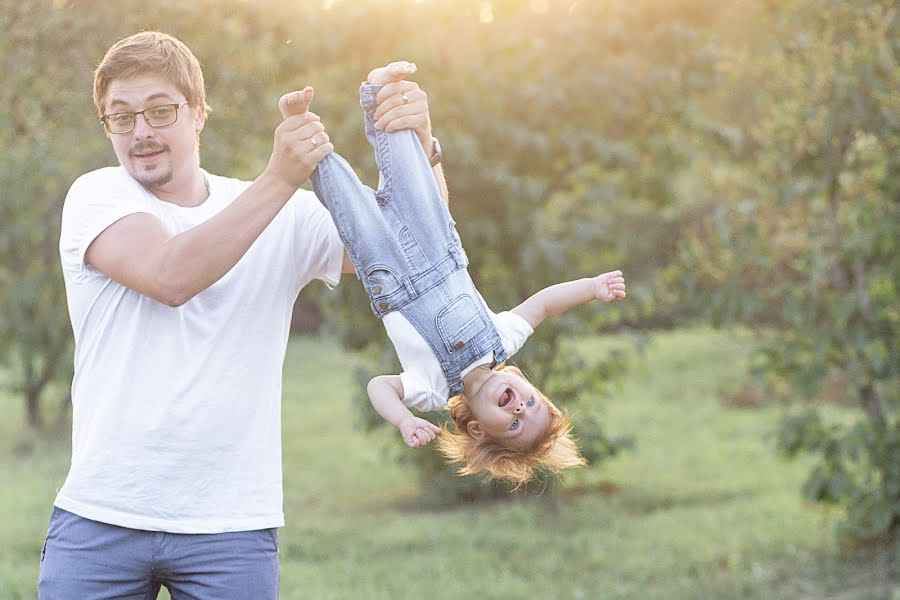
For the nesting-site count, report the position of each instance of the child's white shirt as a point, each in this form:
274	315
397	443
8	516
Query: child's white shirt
424	386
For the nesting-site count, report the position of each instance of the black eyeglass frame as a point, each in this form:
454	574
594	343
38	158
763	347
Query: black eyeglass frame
134	115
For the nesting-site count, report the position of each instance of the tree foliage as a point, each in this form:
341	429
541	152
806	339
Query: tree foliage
803	246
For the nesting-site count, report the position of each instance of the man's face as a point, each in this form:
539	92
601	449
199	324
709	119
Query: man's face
156	157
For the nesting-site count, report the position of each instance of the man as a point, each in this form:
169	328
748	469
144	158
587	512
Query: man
180	287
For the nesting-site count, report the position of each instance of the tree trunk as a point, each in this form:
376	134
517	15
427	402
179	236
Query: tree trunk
870	402
65	405
32	407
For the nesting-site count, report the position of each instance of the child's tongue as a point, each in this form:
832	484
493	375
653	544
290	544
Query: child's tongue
505	398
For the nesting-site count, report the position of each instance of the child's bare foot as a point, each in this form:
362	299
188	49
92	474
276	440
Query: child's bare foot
396	71
295	103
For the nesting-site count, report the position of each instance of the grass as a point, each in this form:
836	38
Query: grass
702	508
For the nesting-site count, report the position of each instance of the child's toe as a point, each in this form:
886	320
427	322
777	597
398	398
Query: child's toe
295	103
394	71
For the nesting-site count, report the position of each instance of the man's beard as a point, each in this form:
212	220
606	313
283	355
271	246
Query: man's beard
157	177
154	179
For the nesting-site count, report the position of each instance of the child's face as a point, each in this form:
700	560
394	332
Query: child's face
509	409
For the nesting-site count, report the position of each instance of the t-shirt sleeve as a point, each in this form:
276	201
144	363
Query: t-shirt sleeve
318	250
94	202
513	330
422	395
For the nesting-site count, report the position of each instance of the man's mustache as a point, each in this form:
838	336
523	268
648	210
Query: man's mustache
147	147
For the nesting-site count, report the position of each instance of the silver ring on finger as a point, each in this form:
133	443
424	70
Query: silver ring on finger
405	97
314	141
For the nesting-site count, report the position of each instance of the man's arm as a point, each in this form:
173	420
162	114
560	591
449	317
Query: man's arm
386	394
557	299
139	252
438	172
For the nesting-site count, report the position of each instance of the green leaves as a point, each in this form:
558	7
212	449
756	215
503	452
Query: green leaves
858	467
815	261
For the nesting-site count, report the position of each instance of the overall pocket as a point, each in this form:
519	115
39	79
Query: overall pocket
381	282
459	322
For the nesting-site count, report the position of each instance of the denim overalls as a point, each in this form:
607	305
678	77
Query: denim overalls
405	248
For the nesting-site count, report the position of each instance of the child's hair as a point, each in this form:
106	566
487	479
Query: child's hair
554	449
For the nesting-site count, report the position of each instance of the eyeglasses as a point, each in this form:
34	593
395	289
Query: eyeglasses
156	116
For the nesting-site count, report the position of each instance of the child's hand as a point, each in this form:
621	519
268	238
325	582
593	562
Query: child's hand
609	287
418	432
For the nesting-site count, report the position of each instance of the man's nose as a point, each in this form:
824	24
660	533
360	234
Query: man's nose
142	128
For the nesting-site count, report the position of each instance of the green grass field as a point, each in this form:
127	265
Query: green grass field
701	508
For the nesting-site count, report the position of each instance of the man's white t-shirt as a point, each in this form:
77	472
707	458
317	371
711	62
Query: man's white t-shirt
177	411
424	386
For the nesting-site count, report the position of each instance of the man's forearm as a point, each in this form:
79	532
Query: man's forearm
427	140
192	261
438	171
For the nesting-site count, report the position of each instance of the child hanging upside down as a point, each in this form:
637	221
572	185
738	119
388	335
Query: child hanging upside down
453	349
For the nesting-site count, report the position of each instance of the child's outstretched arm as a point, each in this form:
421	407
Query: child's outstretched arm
557	299
386	395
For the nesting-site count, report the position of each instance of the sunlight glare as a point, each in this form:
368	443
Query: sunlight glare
487	13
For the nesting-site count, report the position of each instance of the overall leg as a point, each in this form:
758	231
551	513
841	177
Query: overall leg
408	194
366	236
88	560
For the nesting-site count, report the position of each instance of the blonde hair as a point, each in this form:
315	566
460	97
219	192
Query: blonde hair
554	449
151	52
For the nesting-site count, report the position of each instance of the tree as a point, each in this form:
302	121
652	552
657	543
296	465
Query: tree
805	249
42	60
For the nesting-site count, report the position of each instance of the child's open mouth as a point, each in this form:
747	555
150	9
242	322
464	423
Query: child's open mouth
505	398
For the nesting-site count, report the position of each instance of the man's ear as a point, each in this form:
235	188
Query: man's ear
474	429
199	118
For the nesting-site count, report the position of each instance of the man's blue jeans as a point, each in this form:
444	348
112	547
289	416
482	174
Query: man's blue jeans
88	560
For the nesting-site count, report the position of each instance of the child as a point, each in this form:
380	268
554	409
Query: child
408	256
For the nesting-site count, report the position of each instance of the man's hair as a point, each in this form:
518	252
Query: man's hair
554	449
153	53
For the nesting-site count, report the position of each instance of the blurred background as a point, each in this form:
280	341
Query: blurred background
738	160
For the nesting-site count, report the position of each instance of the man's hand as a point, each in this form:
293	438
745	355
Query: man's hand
401	104
418	432
609	287
300	140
